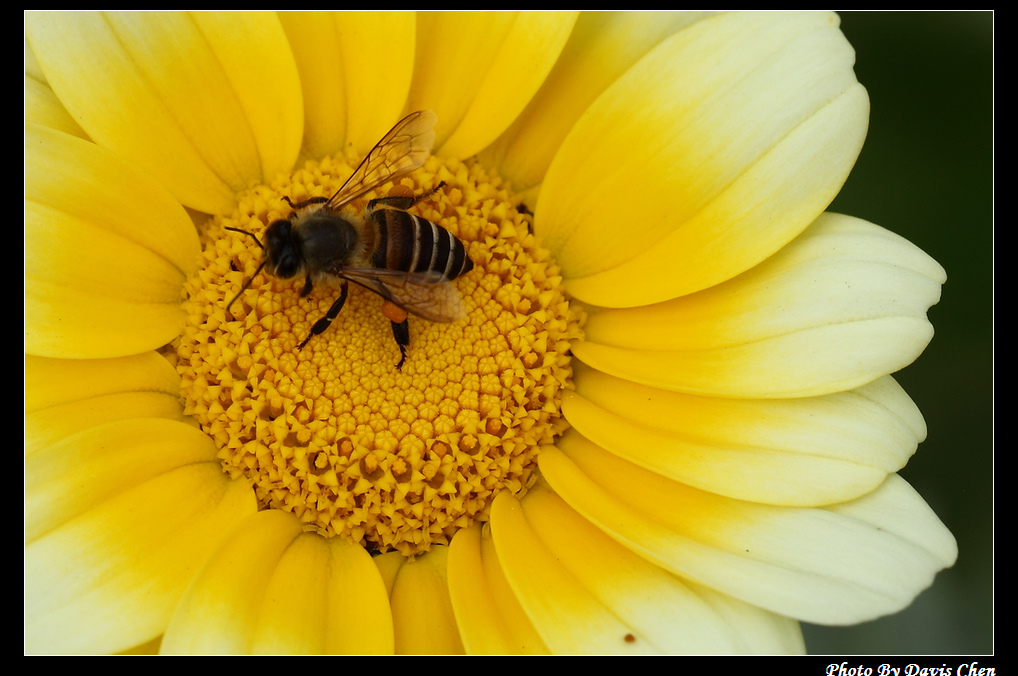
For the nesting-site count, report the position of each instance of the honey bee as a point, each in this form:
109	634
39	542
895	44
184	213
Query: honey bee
407	260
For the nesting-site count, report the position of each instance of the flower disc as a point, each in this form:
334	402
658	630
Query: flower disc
393	459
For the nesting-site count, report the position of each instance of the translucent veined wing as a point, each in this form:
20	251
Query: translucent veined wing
402	150
425	294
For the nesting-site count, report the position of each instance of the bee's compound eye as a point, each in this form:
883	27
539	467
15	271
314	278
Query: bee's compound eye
282	259
287	266
277	235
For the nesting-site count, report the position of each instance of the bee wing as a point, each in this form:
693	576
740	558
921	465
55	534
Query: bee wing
402	150
425	294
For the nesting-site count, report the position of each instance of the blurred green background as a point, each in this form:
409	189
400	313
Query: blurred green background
926	172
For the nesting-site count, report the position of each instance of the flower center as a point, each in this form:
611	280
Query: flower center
337	434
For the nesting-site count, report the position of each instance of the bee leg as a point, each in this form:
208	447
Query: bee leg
401	332
397	316
324	322
428	193
307	286
403	203
307	202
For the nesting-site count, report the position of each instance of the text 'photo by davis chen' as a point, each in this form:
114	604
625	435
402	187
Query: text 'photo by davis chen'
607	379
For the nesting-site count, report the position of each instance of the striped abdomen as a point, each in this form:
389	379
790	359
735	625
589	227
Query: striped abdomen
409	243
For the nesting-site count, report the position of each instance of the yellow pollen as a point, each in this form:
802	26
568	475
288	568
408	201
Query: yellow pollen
390	459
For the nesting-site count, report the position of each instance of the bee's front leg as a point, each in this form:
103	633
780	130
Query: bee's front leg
333	312
307	287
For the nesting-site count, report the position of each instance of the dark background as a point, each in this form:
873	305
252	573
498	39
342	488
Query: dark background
926	172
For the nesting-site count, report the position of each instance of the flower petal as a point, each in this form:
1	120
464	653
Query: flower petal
296	593
117	518
106	252
478	70
808	451
841	306
707	156
66	396
355	71
842	564
616	601
33	70
182	96
602	46
490	619
422	614
43	108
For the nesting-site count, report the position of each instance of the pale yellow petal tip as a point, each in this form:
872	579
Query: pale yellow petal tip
43	108
135	534
809	451
751	166
844	304
96	283
619	602
203	131
839	564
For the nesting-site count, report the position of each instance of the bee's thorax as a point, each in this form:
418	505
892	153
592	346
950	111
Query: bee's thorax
324	243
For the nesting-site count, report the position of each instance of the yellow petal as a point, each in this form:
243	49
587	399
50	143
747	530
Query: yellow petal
43	108
355	70
586	593
478	70
841	564
117	519
602	46
107	251
422	614
66	479
808	451
32	68
66	396
203	103
706	157
388	565
490	619
271	588
325	596
220	612
841	306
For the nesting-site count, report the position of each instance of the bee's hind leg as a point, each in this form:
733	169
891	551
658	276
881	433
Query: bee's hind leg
324	322
402	203
397	316
307	202
401	332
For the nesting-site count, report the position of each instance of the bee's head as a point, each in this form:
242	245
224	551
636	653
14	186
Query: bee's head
281	250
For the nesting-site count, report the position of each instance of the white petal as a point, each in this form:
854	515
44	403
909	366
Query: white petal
714	151
117	520
841	564
807	451
841	306
585	593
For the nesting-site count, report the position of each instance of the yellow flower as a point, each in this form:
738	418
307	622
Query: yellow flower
678	384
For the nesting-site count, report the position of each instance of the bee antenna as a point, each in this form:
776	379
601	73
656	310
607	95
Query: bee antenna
245	287
250	234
